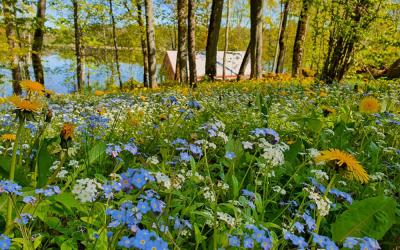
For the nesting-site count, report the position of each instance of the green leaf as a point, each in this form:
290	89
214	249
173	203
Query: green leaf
96	152
68	245
371	217
45	161
197	234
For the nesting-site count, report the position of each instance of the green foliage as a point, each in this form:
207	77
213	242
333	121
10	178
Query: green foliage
371	217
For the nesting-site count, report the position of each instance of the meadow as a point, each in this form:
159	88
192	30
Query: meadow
277	163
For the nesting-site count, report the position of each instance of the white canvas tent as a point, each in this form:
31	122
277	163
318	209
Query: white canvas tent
233	62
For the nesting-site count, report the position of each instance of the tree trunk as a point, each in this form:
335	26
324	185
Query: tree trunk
143	43
342	43
394	70
226	39
182	56
256	19
281	42
192	43
38	41
212	38
151	43
244	63
114	34
298	48
78	46
11	34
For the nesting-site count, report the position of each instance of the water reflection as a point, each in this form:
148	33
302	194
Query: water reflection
60	74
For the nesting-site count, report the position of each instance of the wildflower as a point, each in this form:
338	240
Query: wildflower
25	218
344	161
143	207
234	241
230	155
248	243
296	240
324	242
10	187
299	227
310	222
5	242
267	132
8	137
126	242
67	131
184	156
24	105
32	87
369	105
86	190
247	145
29	199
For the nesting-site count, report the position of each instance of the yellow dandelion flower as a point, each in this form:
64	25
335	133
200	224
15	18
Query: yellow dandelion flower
323	94
24	104
8	137
32	87
99	93
370	105
344	161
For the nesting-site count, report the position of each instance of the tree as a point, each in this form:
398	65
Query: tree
300	38
350	21
212	38
37	44
182	42
151	43
114	35
226	39
244	63
256	30
192	43
281	40
11	34
142	42
78	46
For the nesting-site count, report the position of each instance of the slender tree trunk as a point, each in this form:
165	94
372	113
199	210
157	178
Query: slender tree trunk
281	42
24	64
244	63
300	38
256	18
11	34
78	46
143	42
192	43
182	56
114	34
151	43
38	41
212	38
226	39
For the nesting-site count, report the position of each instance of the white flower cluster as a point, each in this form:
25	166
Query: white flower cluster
206	144
228	219
163	179
279	190
323	203
209	194
222	185
273	153
86	190
153	160
320	175
378	176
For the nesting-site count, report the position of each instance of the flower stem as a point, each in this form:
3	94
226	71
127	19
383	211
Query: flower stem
9	221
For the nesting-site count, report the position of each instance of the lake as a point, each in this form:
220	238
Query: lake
59	74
